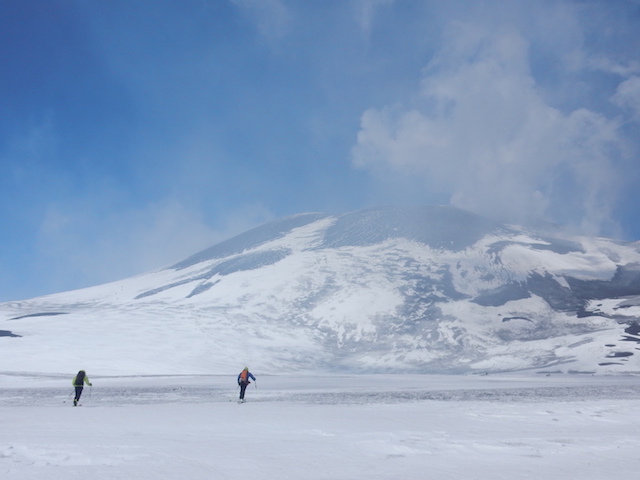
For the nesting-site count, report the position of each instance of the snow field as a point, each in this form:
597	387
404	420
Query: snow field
341	427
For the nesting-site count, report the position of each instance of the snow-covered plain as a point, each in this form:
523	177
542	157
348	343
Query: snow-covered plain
321	427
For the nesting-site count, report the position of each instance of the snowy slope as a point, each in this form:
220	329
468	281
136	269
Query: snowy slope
427	289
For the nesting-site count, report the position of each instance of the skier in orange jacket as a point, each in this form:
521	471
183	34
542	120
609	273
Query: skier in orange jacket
243	381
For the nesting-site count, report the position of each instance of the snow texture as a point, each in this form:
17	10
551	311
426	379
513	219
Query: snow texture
321	427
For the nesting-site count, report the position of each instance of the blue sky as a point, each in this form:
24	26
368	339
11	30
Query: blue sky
135	133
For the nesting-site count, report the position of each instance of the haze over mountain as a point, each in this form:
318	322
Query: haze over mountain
424	289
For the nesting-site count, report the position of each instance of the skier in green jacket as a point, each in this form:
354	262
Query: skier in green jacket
78	382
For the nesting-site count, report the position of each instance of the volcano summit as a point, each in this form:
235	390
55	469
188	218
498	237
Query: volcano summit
422	289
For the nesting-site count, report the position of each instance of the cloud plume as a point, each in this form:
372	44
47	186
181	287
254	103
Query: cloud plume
481	131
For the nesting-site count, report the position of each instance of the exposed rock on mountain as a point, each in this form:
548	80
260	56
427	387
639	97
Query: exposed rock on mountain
425	289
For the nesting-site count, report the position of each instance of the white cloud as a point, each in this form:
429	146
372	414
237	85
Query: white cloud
606	64
365	11
628	96
271	17
82	245
480	131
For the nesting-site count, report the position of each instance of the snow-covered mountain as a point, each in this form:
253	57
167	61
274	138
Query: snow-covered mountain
425	289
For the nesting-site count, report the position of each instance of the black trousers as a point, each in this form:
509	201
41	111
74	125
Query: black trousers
78	392
243	387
